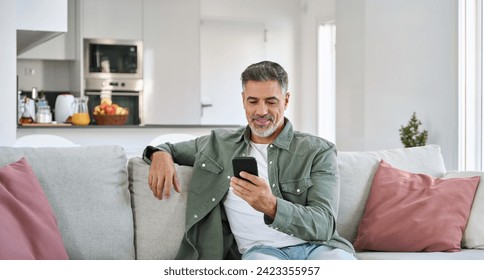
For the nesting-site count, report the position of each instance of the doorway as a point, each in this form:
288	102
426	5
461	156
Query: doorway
227	48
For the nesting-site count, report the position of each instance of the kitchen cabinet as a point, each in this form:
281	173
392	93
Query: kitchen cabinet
116	19
171	38
61	47
38	21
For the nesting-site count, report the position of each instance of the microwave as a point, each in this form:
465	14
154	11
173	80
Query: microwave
113	59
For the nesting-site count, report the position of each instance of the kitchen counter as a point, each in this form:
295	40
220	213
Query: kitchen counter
40	125
133	138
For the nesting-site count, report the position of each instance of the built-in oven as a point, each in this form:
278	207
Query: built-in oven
114	68
125	99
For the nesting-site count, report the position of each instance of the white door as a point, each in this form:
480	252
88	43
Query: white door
227	48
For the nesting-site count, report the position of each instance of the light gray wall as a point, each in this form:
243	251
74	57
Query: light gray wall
8	92
396	57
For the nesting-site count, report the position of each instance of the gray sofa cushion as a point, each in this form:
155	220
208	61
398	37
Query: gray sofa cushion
87	188
159	224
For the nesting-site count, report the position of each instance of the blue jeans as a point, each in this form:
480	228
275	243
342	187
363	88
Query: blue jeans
305	251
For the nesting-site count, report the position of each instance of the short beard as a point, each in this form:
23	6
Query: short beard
261	131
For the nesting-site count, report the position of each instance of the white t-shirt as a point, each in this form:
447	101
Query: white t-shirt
246	223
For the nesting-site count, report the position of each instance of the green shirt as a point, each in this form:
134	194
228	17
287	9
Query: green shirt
303	175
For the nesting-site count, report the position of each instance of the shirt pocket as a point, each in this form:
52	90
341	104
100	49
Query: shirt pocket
206	170
296	190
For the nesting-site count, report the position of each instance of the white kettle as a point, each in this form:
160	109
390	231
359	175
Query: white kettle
64	107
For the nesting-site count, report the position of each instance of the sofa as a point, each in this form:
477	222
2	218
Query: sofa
104	208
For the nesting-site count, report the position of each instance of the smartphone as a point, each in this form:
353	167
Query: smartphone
247	164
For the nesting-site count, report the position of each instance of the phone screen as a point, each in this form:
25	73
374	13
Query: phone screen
247	164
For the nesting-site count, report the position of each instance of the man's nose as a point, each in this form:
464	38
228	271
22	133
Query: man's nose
261	109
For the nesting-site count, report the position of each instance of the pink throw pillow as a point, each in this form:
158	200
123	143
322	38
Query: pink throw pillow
409	212
28	227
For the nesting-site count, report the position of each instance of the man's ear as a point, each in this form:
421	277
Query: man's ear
286	100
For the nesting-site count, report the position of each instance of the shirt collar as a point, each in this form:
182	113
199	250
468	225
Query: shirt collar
282	141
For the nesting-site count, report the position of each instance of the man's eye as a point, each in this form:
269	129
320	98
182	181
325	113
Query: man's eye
272	102
253	102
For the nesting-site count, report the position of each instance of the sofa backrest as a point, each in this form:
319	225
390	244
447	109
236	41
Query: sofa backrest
356	176
87	188
159	224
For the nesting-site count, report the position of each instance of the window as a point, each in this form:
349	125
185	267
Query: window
327	81
470	85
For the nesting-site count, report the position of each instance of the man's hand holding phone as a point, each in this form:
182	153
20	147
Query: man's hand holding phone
249	186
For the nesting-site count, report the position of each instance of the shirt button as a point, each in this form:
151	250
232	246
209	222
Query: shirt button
298	190
270	162
276	228
203	164
228	177
213	199
243	155
271	145
273	185
195	216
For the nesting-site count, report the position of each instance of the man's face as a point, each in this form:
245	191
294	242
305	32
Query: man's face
264	105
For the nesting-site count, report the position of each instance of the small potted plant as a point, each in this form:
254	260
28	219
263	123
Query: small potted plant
411	136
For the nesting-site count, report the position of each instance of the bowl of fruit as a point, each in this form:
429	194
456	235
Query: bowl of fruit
109	113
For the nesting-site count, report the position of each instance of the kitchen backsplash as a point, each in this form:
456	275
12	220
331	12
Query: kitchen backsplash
46	75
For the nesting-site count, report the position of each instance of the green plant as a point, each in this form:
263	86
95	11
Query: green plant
410	134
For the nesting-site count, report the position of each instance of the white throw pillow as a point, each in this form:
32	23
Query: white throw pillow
474	233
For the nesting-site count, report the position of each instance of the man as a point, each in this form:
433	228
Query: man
287	212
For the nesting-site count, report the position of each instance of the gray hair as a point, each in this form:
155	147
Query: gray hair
265	71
